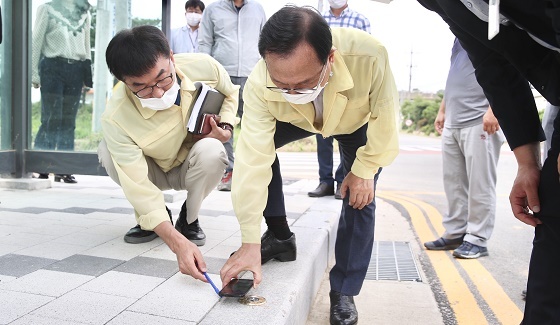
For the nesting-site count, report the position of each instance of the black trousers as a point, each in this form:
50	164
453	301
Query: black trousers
61	88
354	241
543	286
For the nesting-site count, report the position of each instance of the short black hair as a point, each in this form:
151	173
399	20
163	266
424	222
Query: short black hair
194	4
134	52
290	26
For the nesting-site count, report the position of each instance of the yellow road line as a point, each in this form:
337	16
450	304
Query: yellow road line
460	297
505	310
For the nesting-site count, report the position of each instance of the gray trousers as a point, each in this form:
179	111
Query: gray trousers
470	157
229	144
550	113
199	174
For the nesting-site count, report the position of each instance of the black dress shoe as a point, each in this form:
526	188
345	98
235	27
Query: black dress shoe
281	250
323	189
43	176
137	235
191	231
66	178
343	309
337	194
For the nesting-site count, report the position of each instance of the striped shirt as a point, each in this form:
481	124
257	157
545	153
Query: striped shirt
348	18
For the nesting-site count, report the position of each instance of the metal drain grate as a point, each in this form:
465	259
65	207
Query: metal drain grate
392	261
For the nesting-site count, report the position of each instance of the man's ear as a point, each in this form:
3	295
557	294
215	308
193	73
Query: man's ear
331	54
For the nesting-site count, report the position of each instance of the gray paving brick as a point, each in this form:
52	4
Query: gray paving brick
25	238
52	250
161	252
118	249
20	265
180	297
85	264
20	304
10	248
84	239
6	279
36	320
122	284
149	266
84	307
132	318
46	283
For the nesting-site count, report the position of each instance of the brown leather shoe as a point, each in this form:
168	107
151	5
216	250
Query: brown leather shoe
322	190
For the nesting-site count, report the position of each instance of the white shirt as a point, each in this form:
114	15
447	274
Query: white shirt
184	40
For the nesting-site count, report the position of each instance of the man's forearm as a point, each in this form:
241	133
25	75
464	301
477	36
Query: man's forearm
170	236
528	155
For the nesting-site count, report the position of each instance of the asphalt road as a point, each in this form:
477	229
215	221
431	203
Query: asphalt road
416	174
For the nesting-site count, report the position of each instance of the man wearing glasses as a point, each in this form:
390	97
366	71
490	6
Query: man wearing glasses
310	81
147	148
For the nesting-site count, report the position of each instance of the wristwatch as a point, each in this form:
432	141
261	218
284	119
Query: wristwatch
226	126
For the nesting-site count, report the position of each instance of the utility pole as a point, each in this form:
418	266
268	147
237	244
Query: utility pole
410	76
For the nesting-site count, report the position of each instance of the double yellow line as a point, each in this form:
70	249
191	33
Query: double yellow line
424	218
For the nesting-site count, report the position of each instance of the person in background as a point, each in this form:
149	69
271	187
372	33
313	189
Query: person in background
312	80
146	146
339	15
185	39
524	52
550	113
229	33
471	141
61	68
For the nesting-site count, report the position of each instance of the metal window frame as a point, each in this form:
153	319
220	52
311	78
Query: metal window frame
21	161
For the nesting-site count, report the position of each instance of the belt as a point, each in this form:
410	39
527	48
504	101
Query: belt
65	60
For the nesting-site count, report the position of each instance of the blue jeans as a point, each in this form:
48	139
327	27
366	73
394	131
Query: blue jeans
61	88
325	159
354	242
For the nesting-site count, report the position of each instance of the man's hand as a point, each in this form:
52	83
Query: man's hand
247	258
361	190
439	121
189	257
524	198
489	122
216	133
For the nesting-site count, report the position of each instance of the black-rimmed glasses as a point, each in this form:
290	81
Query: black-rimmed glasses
147	91
300	90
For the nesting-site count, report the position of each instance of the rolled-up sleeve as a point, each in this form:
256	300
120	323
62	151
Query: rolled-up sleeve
132	169
255	154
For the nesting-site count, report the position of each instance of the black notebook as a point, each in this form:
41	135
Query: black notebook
206	100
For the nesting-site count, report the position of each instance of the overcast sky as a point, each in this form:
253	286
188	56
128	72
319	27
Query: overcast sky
402	26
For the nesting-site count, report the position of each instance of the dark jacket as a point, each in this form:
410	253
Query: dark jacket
504	64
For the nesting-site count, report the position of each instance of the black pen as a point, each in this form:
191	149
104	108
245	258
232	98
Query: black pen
211	283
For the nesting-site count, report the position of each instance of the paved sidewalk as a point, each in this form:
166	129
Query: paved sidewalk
63	261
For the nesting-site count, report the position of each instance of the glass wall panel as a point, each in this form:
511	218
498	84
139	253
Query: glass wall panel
5	75
69	77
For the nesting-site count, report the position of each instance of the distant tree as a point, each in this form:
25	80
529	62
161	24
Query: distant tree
419	114
145	21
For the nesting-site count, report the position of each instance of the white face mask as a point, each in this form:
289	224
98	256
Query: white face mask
303	98
166	101
193	18
307	98
337	4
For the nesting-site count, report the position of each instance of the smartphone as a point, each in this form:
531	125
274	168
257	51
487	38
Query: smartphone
237	288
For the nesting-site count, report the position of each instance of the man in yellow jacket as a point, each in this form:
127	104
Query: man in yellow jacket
311	80
146	146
